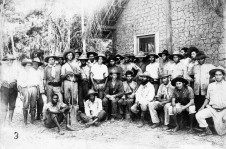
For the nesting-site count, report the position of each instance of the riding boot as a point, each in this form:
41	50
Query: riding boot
32	116
25	113
11	115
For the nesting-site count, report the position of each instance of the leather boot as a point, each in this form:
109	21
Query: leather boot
11	115
32	116
25	113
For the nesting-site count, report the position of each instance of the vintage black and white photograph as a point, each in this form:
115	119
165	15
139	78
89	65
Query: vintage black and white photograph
113	74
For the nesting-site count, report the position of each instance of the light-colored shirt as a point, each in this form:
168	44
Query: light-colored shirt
93	108
129	88
52	73
52	108
153	70
130	66
216	93
90	64
177	70
201	77
165	91
145	93
40	72
9	74
99	71
164	67
70	67
28	77
191	66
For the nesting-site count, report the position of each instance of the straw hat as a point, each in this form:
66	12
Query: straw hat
8	57
140	55
37	60
219	68
26	61
50	56
67	52
83	57
91	92
177	53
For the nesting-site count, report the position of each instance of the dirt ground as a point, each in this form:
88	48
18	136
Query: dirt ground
118	134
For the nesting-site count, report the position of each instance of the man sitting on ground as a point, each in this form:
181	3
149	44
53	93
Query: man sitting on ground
94	112
55	112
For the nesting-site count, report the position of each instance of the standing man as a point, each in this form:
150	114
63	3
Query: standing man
84	83
182	99
141	63
94	112
144	94
52	81
92	58
99	74
70	73
163	101
215	104
165	63
127	101
153	69
28	86
112	65
201	79
8	85
37	66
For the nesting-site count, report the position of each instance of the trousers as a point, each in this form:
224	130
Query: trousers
71	92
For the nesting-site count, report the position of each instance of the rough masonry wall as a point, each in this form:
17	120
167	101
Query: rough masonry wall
193	23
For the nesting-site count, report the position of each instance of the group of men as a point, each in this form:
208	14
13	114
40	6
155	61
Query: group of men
102	87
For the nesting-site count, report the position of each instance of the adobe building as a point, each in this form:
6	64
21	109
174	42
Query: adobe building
155	25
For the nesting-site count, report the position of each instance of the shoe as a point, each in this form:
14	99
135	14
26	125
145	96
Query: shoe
96	124
69	128
176	129
166	128
155	125
60	132
141	125
206	132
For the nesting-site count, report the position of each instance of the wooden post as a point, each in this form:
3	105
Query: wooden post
169	27
224	42
83	30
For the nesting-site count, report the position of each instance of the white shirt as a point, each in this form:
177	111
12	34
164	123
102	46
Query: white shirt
99	71
72	67
9	74
165	91
178	69
85	72
28	77
93	108
216	93
153	70
145	93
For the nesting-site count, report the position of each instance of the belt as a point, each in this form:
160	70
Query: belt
30	86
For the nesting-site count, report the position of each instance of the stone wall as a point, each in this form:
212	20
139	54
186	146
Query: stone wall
193	23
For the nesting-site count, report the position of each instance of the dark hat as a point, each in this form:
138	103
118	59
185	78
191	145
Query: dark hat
177	53
152	54
83	57
37	60
92	52
119	56
90	92
50	56
26	61
8	57
185	49
129	72
219	68
193	49
201	56
164	74
163	52
179	79
67	52
112	58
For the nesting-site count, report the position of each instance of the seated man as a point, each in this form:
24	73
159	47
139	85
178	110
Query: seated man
163	99
144	94
113	92
126	102
215	104
55	112
94	112
182	99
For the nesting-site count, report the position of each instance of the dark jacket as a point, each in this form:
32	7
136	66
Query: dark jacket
117	90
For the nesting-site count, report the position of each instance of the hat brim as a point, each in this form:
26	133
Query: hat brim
93	93
179	55
39	63
160	54
25	63
156	56
67	52
164	76
213	71
94	53
47	58
179	79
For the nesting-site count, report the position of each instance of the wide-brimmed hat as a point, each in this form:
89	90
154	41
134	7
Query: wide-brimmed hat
78	51
37	60
92	52
8	57
101	55
119	56
67	52
83	57
219	68
201	56
179	79
164	74
50	56
163	52
112	58
152	54
193	49
91	92
114	71
129	72
26	61
177	53
140	55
